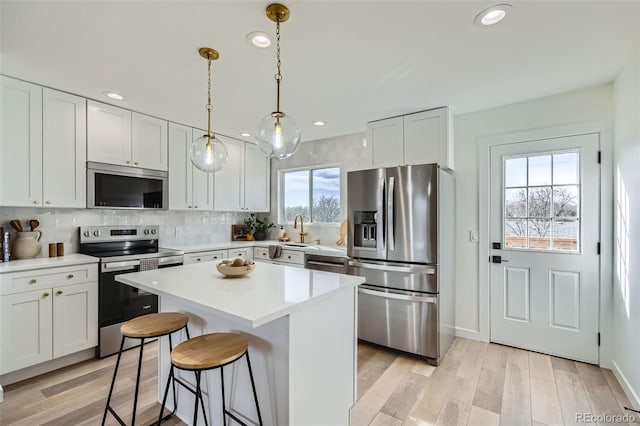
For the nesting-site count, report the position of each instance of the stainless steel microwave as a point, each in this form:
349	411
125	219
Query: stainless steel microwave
120	187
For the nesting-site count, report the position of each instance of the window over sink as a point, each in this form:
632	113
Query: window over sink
313	193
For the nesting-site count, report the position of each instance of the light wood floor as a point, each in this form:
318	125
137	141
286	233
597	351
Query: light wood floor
477	384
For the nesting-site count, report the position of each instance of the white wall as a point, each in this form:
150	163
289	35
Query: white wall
626	277
587	105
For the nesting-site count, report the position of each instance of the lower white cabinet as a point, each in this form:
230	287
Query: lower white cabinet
205	256
245	252
46	314
287	257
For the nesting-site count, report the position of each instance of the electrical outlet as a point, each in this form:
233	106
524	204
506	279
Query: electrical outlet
178	231
473	236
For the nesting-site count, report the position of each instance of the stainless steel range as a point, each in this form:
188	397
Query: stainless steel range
123	249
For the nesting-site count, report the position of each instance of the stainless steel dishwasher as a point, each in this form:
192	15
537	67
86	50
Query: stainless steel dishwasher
326	263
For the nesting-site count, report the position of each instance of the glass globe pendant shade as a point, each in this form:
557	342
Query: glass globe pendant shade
278	136
208	153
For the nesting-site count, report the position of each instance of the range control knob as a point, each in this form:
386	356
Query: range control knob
146	232
96	233
153	231
86	233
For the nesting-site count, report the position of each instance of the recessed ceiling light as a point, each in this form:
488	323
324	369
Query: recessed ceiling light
245	134
319	123
114	95
492	15
259	39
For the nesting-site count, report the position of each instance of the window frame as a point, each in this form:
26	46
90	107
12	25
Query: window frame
309	169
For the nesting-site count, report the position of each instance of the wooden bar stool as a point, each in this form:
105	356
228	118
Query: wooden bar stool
146	327
208	352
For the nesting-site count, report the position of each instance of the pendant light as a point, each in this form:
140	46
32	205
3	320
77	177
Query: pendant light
207	152
277	134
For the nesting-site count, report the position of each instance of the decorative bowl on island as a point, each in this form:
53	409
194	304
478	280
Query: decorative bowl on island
237	267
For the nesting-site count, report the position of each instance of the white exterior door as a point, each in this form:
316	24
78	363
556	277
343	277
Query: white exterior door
544	228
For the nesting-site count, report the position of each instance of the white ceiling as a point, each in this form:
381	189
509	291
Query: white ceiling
343	62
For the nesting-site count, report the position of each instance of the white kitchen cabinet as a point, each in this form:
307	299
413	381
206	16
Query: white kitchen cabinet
243	184
419	138
245	252
27	332
47	313
108	134
205	256
189	187
287	257
20	143
75	318
64	148
149	142
43	147
118	136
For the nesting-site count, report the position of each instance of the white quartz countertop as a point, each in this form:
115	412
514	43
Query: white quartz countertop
310	248
268	293
46	262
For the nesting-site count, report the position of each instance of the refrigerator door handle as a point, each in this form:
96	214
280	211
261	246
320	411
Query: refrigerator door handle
390	219
380	220
429	270
398	296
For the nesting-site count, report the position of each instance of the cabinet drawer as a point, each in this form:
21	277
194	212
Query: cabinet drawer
19	282
292	256
243	252
260	253
205	256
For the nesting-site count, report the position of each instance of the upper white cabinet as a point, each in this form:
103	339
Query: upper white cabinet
118	136
243	184
42	147
189	187
419	138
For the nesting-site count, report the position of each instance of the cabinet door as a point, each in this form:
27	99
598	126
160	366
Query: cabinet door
149	142
26	329
425	137
205	256
108	134
202	191
64	148
229	182
179	167
247	253
75	318
257	179
386	140
20	143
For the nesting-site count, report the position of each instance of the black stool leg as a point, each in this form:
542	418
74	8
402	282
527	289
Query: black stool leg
199	395
113	382
135	398
224	408
166	394
253	386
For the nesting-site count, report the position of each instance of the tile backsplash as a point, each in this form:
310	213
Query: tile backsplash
176	227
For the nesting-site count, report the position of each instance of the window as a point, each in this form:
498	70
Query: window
541	201
313	193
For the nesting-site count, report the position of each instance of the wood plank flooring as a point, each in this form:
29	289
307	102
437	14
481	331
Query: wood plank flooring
477	384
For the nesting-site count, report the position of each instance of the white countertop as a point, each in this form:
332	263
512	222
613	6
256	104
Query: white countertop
311	248
46	262
267	293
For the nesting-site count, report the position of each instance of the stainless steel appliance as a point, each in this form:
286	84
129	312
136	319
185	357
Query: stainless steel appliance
123	249
120	187
401	239
320	262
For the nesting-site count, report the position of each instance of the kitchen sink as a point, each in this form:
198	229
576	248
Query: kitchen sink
296	244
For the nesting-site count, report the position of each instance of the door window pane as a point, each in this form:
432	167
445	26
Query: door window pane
565	235
540	202
539	234
296	195
516	233
540	170
515	172
515	202
565	168
326	195
565	201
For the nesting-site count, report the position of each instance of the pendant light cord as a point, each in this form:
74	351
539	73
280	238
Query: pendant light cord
209	106
278	75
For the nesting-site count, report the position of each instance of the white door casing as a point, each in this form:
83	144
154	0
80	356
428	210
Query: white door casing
546	299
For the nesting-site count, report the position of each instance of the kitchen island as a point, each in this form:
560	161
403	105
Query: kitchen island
301	327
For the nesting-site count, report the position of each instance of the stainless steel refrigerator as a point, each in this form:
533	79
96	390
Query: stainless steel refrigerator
401	239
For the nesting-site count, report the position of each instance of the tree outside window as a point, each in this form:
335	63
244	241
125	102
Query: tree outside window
312	193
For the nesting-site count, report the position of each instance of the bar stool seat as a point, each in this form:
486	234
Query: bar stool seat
206	352
146	327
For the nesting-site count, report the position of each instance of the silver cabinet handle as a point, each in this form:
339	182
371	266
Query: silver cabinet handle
429	270
398	296
391	239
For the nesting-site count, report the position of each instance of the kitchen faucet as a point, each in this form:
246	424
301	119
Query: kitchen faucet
295	226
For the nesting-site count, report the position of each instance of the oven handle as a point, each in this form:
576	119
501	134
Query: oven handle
398	296
171	260
119	266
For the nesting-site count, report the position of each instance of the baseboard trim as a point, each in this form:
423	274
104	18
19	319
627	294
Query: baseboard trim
469	334
45	367
626	386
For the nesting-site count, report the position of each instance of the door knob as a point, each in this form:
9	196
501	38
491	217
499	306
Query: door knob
498	259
